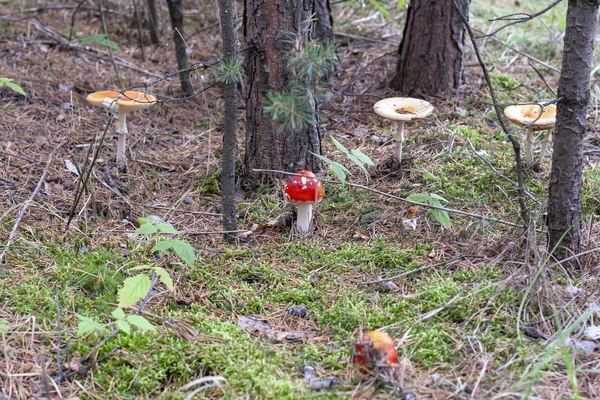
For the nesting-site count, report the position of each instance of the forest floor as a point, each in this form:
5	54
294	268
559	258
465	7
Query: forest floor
464	304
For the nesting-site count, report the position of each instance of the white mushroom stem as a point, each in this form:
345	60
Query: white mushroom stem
304	217
122	131
529	147
545	141
399	142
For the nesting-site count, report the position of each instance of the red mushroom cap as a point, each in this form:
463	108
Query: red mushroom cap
304	189
373	349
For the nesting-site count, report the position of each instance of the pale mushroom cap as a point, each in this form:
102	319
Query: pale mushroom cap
526	114
403	108
131	100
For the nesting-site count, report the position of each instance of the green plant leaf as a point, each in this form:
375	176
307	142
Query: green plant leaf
185	251
365	159
4	327
101	40
419	197
163	245
440	216
164	277
146	229
358	162
124	326
9	82
438	197
340	146
118	313
134	289
337	170
165	227
141	323
86	325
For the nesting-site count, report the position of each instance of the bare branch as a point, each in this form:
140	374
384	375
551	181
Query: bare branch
517	18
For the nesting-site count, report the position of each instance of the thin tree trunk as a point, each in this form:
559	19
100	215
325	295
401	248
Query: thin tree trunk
564	202
153	22
270	26
430	58
176	13
227	12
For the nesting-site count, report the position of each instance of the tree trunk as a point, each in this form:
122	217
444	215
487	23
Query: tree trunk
227	12
153	22
176	13
270	27
564	202
431	50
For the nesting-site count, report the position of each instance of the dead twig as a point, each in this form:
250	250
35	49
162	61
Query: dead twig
517	18
21	212
515	143
506	178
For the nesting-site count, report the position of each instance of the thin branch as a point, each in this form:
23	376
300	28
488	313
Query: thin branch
414	271
506	178
391	196
515	143
517	18
508	46
543	79
21	212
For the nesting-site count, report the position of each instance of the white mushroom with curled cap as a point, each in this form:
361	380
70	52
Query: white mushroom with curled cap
123	103
402	109
535	119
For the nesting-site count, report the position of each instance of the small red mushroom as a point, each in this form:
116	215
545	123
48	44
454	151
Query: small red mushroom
375	348
304	190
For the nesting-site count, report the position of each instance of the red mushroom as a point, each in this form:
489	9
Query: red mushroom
305	191
375	349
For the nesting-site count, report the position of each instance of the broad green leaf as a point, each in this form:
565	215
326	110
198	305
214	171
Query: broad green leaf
134	289
165	227
141	323
362	157
340	146
419	197
323	158
438	197
4	327
337	170
118	313
440	216
357	162
164	277
124	326
185	251
9	82
163	245
86	325
146	229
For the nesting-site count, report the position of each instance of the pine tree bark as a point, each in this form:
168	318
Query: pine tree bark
230	56
176	14
267	28
430	61
564	202
153	22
